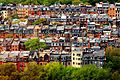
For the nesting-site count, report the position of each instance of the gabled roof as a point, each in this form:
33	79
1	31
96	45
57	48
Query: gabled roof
112	6
60	27
15	43
30	27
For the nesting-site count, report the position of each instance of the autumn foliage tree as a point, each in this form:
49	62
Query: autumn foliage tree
113	58
54	71
8	71
113	61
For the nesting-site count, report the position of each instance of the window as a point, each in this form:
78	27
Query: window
69	63
73	54
78	54
79	58
79	63
73	58
73	62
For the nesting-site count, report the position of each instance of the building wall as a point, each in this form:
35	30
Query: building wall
1	48
15	47
34	13
112	12
118	13
76	58
4	14
22	12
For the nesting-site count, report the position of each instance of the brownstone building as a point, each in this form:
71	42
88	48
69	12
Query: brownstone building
15	46
112	11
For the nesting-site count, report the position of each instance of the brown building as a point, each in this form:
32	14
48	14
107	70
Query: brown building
6	44
44	57
22	11
36	30
15	46
112	11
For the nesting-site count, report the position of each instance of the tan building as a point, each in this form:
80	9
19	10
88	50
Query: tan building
117	10
36	30
76	57
4	14
22	11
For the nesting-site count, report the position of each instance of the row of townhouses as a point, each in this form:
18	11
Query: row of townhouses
76	35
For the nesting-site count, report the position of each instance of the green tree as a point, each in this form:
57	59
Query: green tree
65	1
67	71
30	2
52	2
113	58
85	2
39	21
91	72
34	72
15	16
46	2
33	44
54	71
113	61
40	1
76	2
116	75
112	51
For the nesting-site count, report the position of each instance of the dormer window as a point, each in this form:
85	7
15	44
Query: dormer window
51	9
77	9
66	9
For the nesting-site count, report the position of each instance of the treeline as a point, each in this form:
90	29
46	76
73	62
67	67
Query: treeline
113	61
53	71
50	2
